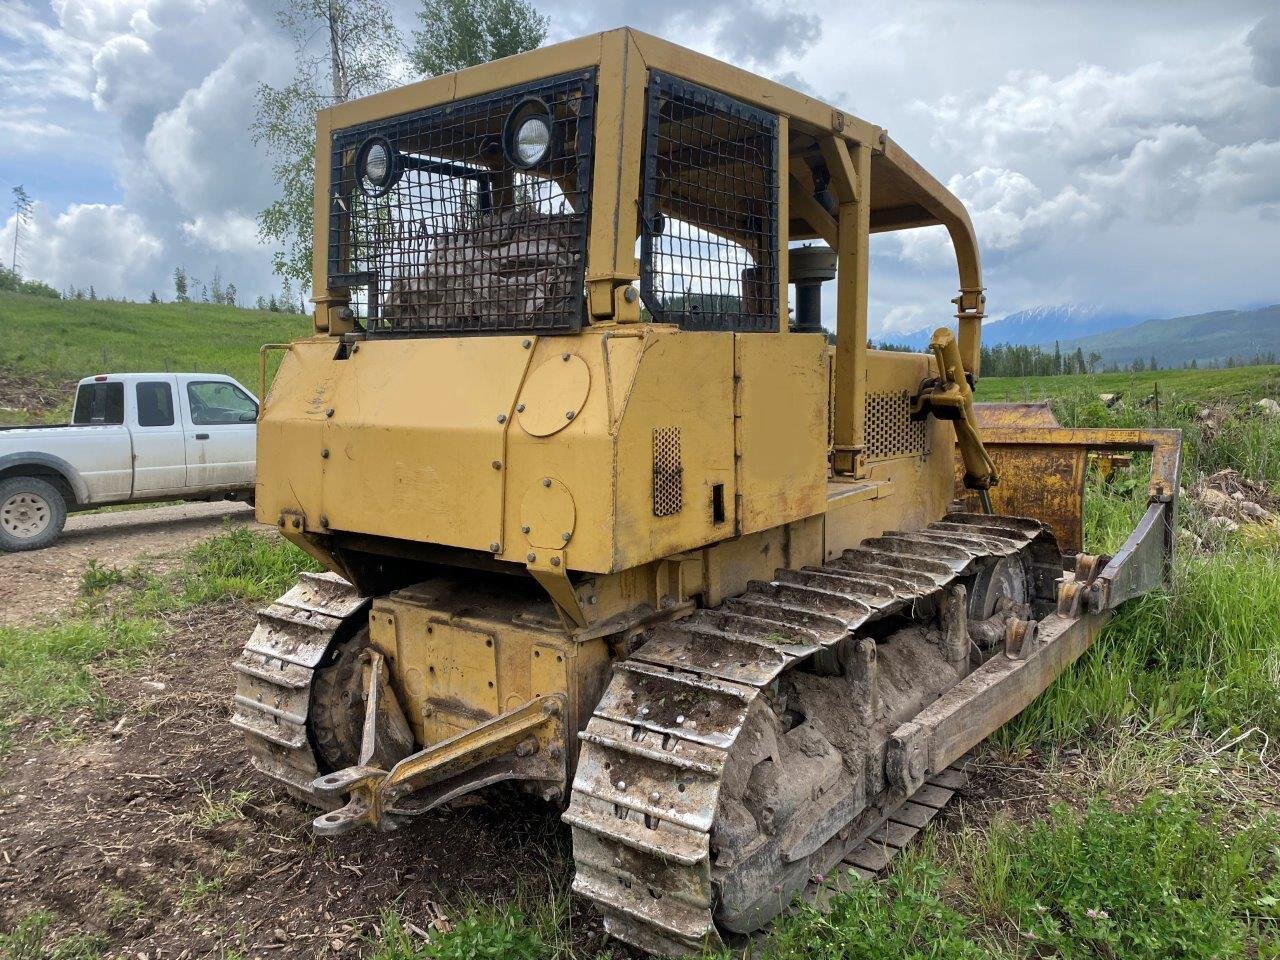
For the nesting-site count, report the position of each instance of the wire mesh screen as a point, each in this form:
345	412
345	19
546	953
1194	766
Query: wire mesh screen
461	238
709	231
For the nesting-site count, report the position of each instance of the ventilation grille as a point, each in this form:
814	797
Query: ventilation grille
462	241
668	472
890	431
709	230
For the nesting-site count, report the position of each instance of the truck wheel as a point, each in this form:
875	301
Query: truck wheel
32	514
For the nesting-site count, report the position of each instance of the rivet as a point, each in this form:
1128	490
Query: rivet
655	796
324	521
566	537
593	600
495	547
526	344
502	418
622	785
519	408
531	557
282	521
644	711
555	561
569	414
630	295
524	528
680	718
297	523
324	454
497	464
329	412
546	481
564	357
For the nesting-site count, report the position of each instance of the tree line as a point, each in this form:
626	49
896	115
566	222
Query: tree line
1009	360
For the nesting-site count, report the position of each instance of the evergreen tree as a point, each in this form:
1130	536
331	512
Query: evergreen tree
180	285
153	298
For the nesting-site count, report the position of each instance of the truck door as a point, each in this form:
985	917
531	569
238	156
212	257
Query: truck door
221	435
159	446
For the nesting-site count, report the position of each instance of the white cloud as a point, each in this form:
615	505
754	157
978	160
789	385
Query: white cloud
1161	179
1246	175
200	150
98	243
229	233
1264	44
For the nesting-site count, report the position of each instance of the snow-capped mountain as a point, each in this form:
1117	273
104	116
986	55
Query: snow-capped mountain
1038	325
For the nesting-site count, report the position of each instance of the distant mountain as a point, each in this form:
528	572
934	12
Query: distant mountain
1203	337
1046	324
1037	325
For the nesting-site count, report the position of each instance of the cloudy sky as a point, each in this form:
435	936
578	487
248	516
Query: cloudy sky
1122	153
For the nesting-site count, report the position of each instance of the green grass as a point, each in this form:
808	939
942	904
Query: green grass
1231	385
484	933
238	563
48	671
57	341
1173	877
31	939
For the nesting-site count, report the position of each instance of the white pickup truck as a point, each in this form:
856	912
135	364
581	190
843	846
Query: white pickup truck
133	437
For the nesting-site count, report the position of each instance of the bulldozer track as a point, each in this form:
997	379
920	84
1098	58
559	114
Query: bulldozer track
653	755
274	675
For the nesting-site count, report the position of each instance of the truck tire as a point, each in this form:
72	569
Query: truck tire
32	514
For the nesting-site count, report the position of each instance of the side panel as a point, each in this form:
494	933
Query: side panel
416	446
781	426
674	447
403	439
587	376
290	432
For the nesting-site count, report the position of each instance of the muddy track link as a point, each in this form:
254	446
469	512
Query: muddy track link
274	675
655	753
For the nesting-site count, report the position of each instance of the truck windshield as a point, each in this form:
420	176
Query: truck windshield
99	403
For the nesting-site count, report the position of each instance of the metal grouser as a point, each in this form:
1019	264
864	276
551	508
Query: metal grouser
609	515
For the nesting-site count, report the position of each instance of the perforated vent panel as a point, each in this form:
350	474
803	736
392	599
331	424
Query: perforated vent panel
668	472
890	431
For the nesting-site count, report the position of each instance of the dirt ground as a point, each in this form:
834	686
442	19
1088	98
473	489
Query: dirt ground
43	584
152	831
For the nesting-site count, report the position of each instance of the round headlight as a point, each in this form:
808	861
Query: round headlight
527	134
376	166
533	139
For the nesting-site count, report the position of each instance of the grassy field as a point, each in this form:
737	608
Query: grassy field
1232	385
53	342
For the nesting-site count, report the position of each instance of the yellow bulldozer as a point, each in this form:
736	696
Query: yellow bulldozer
608	515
